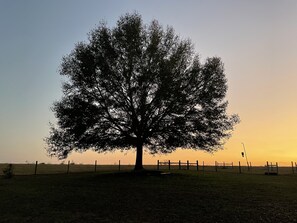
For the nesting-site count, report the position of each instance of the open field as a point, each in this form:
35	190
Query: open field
182	196
29	169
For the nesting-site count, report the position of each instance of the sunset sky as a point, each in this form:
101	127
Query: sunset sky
257	41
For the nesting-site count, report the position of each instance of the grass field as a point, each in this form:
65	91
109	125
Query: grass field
182	196
29	169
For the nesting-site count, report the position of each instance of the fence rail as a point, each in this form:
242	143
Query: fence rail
274	169
224	165
201	167
180	164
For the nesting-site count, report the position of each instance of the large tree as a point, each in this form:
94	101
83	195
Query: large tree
139	86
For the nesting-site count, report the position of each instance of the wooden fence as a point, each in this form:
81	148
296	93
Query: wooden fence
269	168
272	169
189	165
181	165
40	168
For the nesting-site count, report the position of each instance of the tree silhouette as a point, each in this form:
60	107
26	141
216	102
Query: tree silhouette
139	86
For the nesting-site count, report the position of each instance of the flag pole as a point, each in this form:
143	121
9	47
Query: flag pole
246	156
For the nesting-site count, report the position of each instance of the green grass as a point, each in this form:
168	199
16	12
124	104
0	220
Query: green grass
182	196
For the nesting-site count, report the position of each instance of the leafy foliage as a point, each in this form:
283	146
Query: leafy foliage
138	85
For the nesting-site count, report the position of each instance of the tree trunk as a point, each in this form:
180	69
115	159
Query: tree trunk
139	155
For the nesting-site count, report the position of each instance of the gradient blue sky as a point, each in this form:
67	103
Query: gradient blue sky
255	39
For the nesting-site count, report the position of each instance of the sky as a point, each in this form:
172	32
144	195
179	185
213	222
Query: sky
256	40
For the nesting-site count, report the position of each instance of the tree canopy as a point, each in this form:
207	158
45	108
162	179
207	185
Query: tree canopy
138	86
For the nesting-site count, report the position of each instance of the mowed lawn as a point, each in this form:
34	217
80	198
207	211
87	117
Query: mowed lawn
182	196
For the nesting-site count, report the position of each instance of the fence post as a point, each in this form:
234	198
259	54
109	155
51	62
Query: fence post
35	172
295	165
292	167
251	166
276	168
188	166
232	165
68	166
216	168
95	166
119	165
169	164
197	165
267	167
179	166
158	165
239	167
